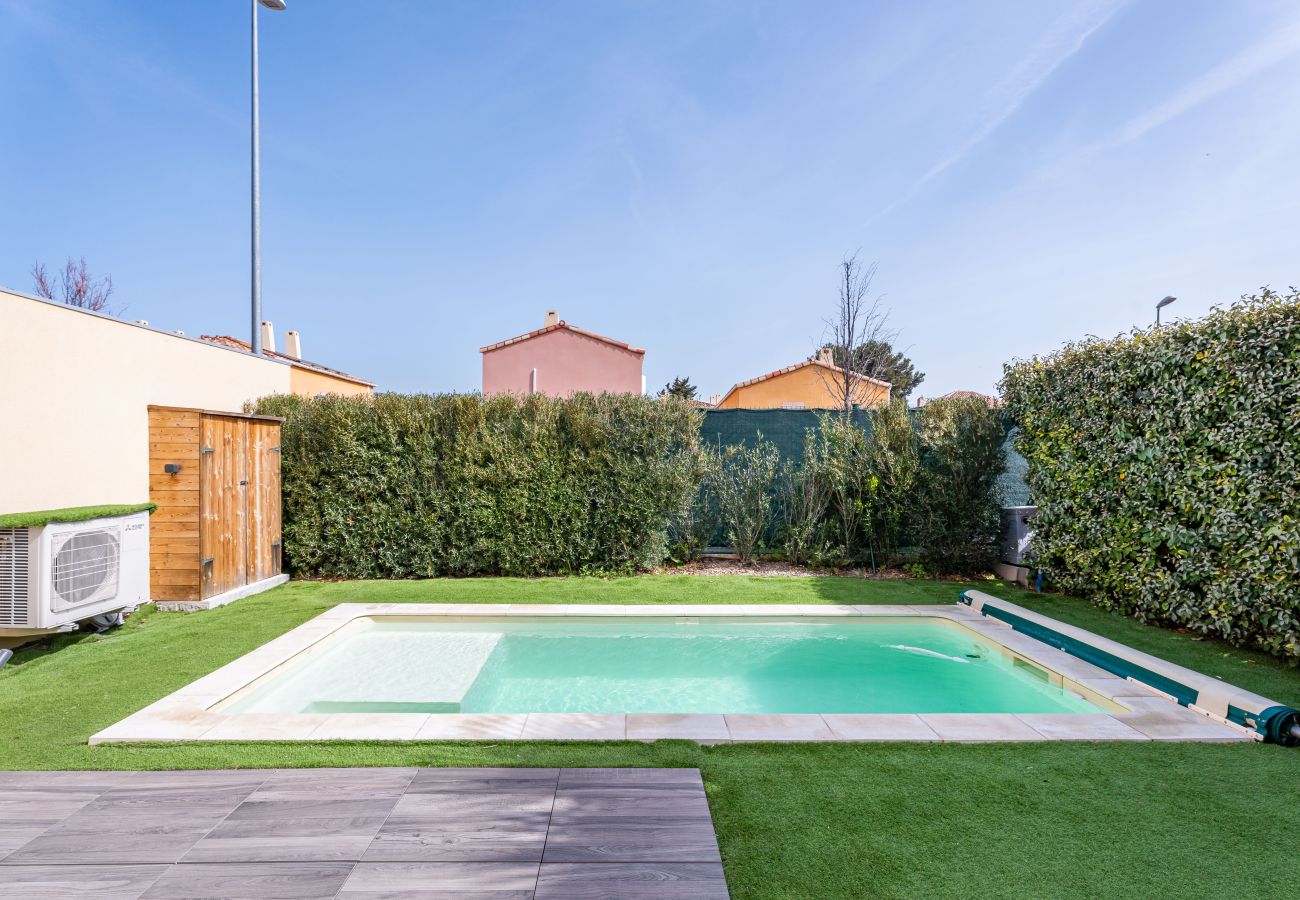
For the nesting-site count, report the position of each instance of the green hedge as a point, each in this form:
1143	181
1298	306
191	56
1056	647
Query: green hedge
455	484
1166	470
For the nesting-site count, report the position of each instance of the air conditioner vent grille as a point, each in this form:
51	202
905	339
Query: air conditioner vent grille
84	568
14	569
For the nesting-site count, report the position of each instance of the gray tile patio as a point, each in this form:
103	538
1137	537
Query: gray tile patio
359	834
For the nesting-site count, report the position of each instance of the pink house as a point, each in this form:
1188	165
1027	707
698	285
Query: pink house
559	359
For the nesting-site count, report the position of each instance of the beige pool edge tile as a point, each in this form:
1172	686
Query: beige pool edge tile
369	727
979	727
473	727
879	727
777	727
1164	720
1080	727
670	726
266	727
575	727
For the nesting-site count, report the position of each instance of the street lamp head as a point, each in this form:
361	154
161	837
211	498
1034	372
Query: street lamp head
272	4
1165	302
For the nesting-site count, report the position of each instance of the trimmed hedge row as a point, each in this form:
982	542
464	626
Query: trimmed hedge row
1166	469
456	484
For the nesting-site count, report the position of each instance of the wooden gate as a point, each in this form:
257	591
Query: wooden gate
216	480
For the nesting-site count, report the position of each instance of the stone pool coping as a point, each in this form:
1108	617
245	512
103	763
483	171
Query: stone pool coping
1139	713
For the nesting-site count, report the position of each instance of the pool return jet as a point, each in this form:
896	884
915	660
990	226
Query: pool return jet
1274	722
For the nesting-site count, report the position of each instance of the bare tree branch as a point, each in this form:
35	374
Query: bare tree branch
76	286
859	326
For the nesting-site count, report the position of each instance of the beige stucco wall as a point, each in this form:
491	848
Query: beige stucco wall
309	383
74	393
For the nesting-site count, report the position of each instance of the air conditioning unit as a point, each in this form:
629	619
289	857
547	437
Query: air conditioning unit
54	576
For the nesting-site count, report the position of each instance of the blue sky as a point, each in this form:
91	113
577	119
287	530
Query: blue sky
682	176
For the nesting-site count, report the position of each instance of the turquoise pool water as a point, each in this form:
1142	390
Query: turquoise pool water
860	665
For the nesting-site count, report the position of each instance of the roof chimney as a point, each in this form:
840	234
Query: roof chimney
268	337
552	318
293	344
826	355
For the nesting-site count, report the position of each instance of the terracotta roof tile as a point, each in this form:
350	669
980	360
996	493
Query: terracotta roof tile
557	327
225	340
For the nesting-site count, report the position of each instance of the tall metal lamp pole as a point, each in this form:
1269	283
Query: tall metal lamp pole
256	341
1161	305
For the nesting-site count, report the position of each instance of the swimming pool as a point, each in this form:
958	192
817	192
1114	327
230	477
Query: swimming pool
903	665
711	673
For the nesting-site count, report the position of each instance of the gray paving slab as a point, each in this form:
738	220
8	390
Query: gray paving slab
250	881
481	881
629	839
363	834
661	881
76	882
505	837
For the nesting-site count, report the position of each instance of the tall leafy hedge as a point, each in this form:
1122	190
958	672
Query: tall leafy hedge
1166	469
455	484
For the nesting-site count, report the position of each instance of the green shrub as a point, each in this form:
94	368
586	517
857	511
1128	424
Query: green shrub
838	463
892	456
697	523
457	484
802	503
955	508
744	485
1166	469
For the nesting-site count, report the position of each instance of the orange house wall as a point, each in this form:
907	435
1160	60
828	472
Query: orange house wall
309	383
805	385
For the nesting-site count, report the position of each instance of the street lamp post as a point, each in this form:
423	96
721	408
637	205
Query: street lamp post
1161	305
256	341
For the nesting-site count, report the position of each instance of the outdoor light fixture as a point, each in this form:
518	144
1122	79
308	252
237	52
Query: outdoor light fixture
1161	305
256	341
172	468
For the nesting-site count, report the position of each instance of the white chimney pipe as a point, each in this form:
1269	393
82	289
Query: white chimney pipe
293	344
268	337
552	318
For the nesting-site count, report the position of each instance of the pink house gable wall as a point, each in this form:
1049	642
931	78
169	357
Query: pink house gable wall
565	362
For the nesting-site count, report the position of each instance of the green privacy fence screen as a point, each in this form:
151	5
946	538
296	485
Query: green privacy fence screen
786	429
783	427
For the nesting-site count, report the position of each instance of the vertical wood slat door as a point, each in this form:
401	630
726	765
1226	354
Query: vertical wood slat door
240	499
216	480
223	532
264	499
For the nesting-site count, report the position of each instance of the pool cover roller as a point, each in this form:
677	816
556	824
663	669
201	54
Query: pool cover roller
1274	722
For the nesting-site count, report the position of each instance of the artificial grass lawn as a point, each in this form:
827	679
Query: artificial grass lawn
796	820
72	514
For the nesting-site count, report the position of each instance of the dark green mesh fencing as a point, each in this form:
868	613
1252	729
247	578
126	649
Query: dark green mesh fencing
783	427
786	429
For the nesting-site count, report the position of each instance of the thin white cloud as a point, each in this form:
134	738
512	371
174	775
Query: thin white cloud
1246	65
1266	52
1066	37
